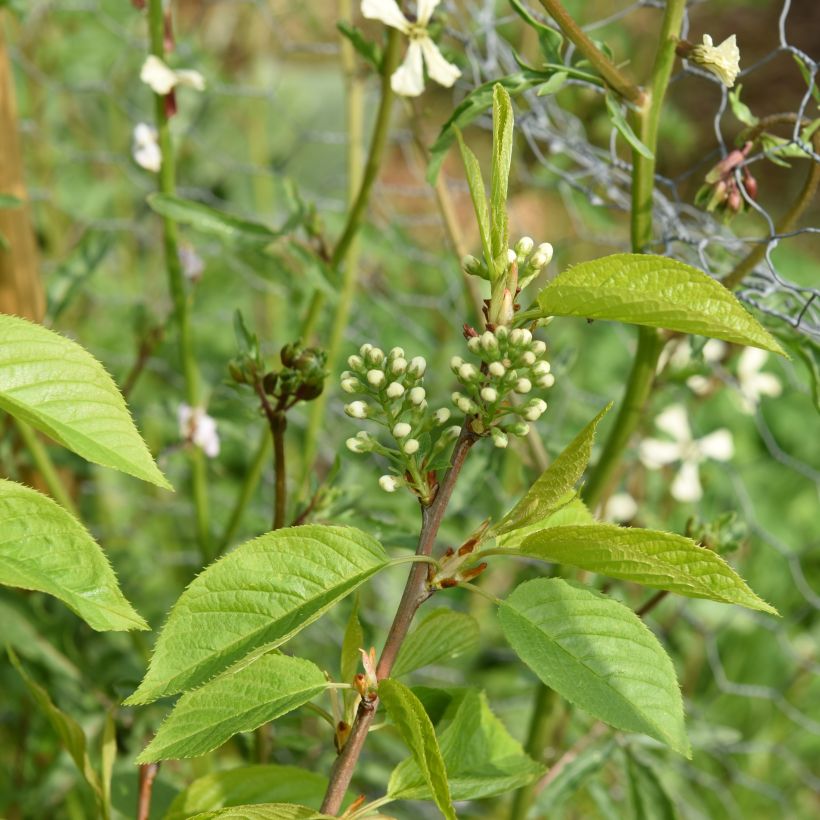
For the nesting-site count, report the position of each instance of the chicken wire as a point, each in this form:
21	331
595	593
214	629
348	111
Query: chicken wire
598	172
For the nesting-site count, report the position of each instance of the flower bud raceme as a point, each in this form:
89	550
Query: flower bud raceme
410	446
417	366
389	483
375	377
356	410
401	430
394	390
417	395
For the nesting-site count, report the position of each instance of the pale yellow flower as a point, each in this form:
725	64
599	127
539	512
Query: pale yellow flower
723	60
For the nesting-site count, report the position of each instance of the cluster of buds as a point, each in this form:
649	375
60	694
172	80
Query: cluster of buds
454	567
512	364
531	260
722	190
396	399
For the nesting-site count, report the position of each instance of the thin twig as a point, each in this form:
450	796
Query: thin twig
651	603
147	775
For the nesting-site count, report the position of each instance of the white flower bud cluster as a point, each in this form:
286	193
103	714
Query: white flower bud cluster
394	397
512	362
531	259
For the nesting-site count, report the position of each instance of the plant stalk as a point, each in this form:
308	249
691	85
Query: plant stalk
45	467
176	283
415	594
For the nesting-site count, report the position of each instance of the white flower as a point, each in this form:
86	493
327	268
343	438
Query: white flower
408	78
690	452
196	426
162	79
145	148
621	507
753	382
723	60
192	264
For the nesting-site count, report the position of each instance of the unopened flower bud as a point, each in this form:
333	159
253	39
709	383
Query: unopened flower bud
365	349
466	405
538	347
541	368
442	415
455	363
355	362
489	341
546	381
471	265
452	432
467	372
356	410
534	409
520	336
375	355
520	429
350	385
394	390
501	332
356	445
528	357
396	353
524	246
496	369
499	437
401	430
489	394
538	261
417	395
512	256
375	377
474	344
417	366
398	365
410	446
523	386
389	483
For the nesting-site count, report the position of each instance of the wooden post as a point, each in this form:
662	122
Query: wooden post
21	291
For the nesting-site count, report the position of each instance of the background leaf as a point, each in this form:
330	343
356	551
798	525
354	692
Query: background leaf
620	123
45	548
655	291
662	560
442	635
573	776
249	784
417	731
597	654
55	385
238	701
264	811
650	800
503	123
254	599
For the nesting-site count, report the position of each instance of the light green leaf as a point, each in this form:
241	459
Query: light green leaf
108	757
248	784
655	291
481	757
441	636
264	811
45	548
553	85
212	222
254	599
740	109
479	197
597	654
622	126
240	700
662	560
549	492
352	642
573	776
70	733
416	730
367	49
55	385
503	123
650	800
571	510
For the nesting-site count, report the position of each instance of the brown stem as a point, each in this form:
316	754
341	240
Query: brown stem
415	594
651	603
147	345
148	773
789	219
277	422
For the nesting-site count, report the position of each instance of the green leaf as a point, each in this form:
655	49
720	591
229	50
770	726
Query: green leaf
264	811
573	776
108	757
416	730
366	49
597	654
503	124
550	39
240	700
553	85
254	599
352	642
481	757
55	385
70	733
248	784
7	201
619	122
740	109
572	510
662	560
45	548
655	291
479	197
207	220
441	636
549	492
650	800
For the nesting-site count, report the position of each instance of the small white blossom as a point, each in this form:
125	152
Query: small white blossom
355	362
145	147
410	446
408	79
723	60
401	430
396	353
389	483
455	363
489	394
690	452
375	377
523	386
512	256
196	426
417	366
467	372
375	355
417	395
753	382
545	250
398	365
162	79
620	508
524	246
496	369
394	390
539	348
548	380
350	385
356	410
489	341
442	415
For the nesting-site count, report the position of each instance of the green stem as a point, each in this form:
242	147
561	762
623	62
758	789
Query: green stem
176	283
252	476
45	467
278	425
